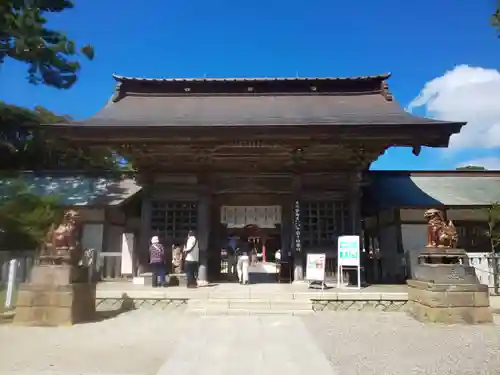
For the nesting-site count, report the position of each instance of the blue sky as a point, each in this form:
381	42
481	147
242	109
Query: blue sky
415	41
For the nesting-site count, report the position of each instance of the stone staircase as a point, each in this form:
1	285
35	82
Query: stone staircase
249	306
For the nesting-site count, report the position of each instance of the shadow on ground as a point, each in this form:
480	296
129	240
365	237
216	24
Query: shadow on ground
127	305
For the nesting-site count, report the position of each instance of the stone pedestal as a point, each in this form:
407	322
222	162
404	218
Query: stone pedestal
52	299
446	290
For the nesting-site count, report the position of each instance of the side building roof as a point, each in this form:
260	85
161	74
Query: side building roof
77	190
432	189
348	101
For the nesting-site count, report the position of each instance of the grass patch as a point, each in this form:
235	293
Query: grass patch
3	294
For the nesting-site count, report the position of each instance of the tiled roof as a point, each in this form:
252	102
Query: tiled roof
431	190
78	190
209	102
254	110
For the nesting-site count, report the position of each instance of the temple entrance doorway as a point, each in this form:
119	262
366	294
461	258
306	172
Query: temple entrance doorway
257	230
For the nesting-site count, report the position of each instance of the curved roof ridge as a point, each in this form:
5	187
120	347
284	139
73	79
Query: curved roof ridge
381	77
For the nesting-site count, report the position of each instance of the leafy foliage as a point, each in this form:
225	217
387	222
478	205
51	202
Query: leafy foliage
25	217
52	58
495	18
24	145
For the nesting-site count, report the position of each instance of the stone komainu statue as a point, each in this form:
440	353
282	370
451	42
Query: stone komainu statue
177	259
439	232
61	244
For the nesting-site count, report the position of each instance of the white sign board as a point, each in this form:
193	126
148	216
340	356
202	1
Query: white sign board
315	267
348	251
348	256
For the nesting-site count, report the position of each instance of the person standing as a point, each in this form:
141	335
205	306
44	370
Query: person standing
232	247
192	257
243	263
157	261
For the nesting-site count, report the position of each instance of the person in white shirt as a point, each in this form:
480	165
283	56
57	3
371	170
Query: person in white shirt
192	257
243	264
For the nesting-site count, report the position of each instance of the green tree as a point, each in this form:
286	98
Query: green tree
25	217
471	168
52	58
495	18
24	145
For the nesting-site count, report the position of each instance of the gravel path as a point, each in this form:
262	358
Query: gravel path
394	344
137	342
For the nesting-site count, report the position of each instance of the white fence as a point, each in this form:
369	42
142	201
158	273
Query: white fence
25	261
108	266
485	264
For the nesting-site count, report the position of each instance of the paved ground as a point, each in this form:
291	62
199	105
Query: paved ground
234	290
145	342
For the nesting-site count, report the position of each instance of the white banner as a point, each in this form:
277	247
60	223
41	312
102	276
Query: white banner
315	267
241	216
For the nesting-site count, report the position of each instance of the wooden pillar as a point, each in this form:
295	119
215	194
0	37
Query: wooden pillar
203	235
140	255
355	205
355	213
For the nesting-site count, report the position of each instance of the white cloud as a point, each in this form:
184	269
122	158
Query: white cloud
469	94
490	163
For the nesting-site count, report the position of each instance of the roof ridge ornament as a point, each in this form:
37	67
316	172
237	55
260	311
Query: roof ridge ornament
385	92
119	93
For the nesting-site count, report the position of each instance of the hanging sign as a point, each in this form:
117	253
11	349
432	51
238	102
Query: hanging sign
315	267
298	247
348	256
242	216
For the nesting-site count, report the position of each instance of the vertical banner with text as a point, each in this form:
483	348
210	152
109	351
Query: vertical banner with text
297	239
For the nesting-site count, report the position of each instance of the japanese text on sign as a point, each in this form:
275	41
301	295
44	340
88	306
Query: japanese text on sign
298	247
348	251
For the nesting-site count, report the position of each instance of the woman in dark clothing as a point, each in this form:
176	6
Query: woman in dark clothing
157	261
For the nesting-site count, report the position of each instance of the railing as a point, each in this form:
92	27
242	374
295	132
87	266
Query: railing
108	267
25	261
487	266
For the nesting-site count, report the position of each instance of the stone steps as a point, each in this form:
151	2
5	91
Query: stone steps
249	306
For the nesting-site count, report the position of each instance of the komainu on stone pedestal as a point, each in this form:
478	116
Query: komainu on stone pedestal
59	292
446	288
